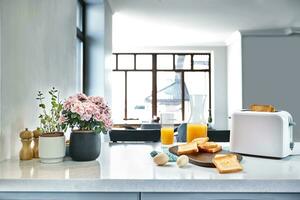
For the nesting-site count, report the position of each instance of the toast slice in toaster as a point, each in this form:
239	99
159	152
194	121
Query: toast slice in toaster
187	148
262	108
227	163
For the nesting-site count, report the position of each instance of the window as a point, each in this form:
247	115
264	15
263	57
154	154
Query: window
80	41
146	84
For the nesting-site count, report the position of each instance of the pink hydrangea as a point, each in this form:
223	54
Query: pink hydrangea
108	123
89	109
77	108
85	117
98	117
96	100
81	97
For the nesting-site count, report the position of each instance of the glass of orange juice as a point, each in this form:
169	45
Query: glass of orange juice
167	129
195	131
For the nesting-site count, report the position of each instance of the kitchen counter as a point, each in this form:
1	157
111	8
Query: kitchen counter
129	168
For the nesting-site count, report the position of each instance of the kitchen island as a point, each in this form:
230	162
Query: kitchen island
126	171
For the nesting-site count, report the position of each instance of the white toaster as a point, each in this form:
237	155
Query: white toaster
267	134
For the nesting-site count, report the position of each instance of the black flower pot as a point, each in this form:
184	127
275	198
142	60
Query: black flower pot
84	145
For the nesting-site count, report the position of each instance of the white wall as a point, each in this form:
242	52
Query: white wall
38	51
219	86
1	137
219	76
234	73
271	69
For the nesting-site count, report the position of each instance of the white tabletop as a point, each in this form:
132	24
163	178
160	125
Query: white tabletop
129	168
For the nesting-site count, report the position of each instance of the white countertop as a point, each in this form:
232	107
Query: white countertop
129	168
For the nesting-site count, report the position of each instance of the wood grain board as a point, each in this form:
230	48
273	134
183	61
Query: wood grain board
201	158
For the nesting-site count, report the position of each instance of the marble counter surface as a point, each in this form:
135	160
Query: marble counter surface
129	168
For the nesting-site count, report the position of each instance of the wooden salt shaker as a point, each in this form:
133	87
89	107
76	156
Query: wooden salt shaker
26	139
36	135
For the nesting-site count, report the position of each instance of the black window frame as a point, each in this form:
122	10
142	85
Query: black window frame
154	71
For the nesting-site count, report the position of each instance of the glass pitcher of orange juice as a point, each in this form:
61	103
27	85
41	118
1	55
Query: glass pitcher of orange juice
196	126
195	130
167	129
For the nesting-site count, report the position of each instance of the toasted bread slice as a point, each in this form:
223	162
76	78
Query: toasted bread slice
212	150
262	108
220	155
208	145
187	148
227	163
200	140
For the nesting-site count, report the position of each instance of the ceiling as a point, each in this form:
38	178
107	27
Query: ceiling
138	23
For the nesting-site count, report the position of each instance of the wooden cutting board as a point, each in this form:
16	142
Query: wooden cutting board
203	159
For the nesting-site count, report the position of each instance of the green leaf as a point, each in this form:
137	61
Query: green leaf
54	104
60	106
98	130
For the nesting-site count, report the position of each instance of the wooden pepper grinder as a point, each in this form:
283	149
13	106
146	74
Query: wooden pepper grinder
26	139
36	134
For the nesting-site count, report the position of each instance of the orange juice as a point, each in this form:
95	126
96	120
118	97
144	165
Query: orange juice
167	135
195	131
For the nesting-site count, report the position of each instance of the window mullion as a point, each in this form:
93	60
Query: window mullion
173	62
154	85
182	96
209	89
134	62
125	100
117	62
192	62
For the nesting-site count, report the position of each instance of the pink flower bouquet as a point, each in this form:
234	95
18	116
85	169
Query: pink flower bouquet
86	113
